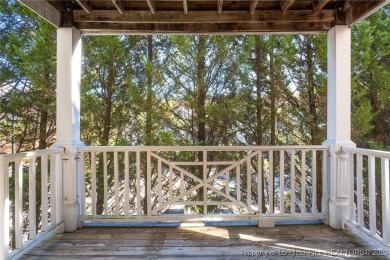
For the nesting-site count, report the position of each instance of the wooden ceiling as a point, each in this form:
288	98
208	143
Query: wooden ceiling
203	16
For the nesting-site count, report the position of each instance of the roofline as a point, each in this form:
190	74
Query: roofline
386	2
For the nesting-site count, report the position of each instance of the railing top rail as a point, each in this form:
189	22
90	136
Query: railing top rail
375	153
198	148
31	154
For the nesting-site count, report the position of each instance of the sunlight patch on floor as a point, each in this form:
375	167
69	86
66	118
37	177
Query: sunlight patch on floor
254	238
217	232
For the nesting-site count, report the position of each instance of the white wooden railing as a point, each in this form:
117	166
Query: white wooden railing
369	194
146	183
23	195
201	183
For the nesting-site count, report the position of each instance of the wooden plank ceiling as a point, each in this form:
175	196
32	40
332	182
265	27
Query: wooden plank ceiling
203	16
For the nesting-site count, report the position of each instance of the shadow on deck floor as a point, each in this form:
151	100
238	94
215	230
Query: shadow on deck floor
244	242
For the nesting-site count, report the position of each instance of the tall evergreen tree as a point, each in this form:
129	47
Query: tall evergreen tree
370	81
27	79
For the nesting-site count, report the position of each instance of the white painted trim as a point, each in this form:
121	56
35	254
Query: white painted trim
385	182
68	88
364	233
259	182
372	194
4	208
339	87
303	182
127	185
18	204
375	153
198	148
338	119
55	175
68	120
44	193
138	182
32	213
205	182
292	184
201	217
16	254
31	154
116	183
349	220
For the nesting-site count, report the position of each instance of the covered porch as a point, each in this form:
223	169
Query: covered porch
210	242
233	183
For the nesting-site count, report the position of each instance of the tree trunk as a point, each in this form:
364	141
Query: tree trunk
201	94
259	106
273	115
105	140
149	108
314	121
313	124
272	98
149	94
42	144
380	131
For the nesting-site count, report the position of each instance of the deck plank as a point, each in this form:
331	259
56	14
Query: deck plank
194	243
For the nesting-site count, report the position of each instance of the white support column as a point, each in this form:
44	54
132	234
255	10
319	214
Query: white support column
68	119
339	119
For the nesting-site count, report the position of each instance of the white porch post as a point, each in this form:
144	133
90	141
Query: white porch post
68	118
339	119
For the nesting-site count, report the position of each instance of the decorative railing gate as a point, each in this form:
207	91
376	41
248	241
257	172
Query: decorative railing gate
203	183
151	183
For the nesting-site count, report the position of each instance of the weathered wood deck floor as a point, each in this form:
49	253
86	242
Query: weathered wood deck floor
303	241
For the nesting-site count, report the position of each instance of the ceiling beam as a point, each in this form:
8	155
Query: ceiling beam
46	10
152	6
86	5
212	28
286	4
347	5
320	4
118	5
253	6
59	5
220	6
172	17
185	6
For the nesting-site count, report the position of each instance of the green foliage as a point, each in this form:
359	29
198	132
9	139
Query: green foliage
27	78
190	90
370	84
105	87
